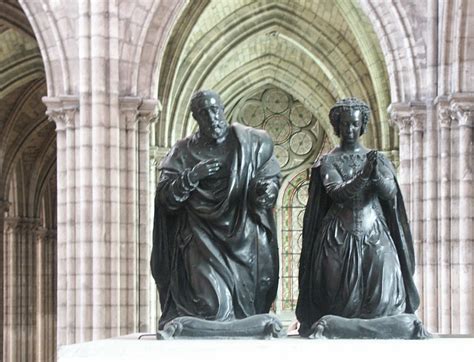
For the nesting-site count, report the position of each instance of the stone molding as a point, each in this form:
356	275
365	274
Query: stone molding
62	110
403	122
41	233
462	108
45	235
4	206
445	115
418	120
138	110
408	117
129	111
457	110
14	224
149	111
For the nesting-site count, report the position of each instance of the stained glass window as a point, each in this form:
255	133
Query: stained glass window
298	139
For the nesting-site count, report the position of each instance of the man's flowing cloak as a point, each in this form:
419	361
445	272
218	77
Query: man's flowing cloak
217	242
309	310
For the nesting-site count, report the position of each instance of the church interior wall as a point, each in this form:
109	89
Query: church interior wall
93	94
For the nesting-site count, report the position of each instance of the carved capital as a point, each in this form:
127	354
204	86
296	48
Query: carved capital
30	224
445	117
401	121
129	111
11	224
22	224
4	206
62	111
418	121
64	118
150	111
444	113
40	234
408	117
462	109
136	109
45	235
464	114
51	235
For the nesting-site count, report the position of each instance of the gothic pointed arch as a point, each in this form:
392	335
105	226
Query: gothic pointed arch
302	47
27	187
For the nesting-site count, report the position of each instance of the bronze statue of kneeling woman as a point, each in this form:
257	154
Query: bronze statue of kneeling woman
357	259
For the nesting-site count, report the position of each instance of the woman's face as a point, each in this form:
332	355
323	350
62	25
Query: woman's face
350	124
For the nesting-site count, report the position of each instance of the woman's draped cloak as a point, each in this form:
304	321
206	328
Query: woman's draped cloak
312	301
215	255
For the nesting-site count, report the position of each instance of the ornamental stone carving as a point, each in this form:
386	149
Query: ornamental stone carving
408	117
62	111
138	110
463	112
4	206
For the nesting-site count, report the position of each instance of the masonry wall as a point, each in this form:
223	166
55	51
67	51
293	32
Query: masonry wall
101	62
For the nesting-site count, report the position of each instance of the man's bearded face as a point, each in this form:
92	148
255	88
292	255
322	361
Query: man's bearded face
210	118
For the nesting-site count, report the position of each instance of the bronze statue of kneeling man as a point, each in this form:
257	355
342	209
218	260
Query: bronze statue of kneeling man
215	251
357	259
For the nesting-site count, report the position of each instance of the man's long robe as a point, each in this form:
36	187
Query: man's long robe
215	252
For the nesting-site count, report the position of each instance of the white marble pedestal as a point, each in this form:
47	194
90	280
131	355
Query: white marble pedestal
130	349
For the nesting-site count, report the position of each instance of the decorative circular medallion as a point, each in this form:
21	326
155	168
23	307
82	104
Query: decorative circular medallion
252	113
282	155
301	143
299	243
279	128
300	218
275	100
300	116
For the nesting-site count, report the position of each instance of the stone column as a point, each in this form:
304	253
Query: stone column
410	118
463	110
418	125
103	176
444	217
400	116
46	295
64	112
102	278
111	266
102	220
454	198
137	115
430	242
20	331
148	115
4	206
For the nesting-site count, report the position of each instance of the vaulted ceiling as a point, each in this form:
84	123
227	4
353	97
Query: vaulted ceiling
27	138
316	51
